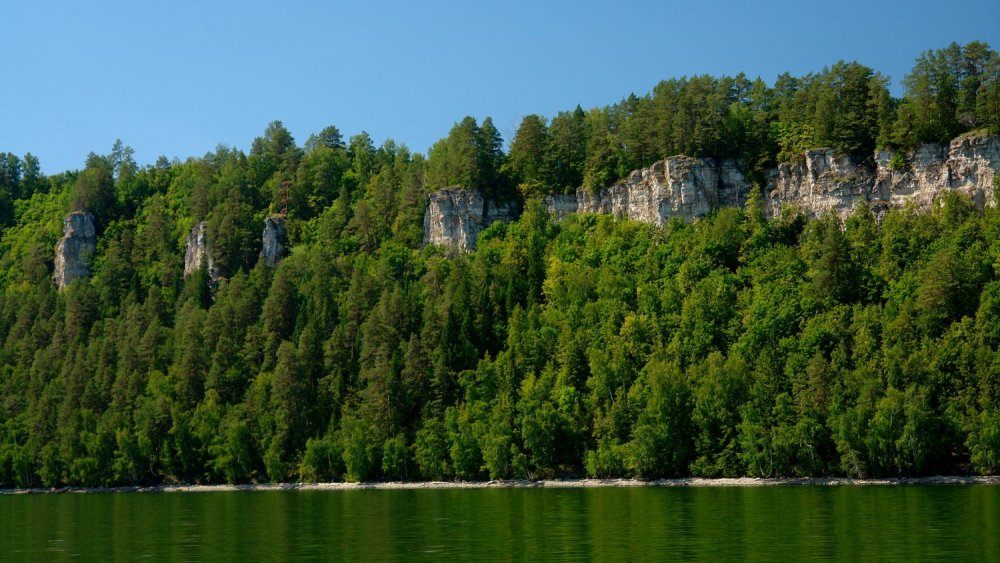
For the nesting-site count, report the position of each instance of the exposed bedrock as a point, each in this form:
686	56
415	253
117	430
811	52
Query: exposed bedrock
73	252
274	240
823	182
197	253
455	217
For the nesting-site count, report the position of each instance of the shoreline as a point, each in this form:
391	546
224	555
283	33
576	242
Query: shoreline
528	484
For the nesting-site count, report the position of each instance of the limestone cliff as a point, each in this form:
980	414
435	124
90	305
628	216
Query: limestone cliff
74	249
274	240
829	183
455	217
679	186
823	182
197	254
967	166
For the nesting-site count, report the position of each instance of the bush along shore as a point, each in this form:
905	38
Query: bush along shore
150	334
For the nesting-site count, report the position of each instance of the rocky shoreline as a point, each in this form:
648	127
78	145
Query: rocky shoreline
529	484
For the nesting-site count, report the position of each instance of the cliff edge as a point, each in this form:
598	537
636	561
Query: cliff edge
822	182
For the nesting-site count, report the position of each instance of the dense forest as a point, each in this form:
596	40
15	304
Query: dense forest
735	345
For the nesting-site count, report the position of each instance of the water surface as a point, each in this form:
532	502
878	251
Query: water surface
913	523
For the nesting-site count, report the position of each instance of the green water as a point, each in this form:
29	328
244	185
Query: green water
911	523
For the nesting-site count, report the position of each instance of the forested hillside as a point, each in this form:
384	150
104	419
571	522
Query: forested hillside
735	345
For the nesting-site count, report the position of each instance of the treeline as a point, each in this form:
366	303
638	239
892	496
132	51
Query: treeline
734	346
847	107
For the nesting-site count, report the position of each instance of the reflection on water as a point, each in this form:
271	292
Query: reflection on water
777	524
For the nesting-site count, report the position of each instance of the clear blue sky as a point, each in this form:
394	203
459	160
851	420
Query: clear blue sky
178	78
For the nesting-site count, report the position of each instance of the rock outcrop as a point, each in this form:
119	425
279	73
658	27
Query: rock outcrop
455	217
274	241
824	182
197	254
967	166
830	183
679	186
75	248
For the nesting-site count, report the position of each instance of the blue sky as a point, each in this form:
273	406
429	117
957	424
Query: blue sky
178	78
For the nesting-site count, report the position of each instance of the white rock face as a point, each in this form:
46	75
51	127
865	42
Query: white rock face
455	217
274	240
680	186
560	206
824	183
828	183
972	163
74	249
196	252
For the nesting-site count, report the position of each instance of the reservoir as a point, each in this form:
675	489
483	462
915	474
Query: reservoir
782	523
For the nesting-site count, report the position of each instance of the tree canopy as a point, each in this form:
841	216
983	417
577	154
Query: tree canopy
736	345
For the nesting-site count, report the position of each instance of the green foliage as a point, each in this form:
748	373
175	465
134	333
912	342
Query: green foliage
949	91
430	451
94	190
470	157
395	459
662	440
361	450
527	163
321	461
736	345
